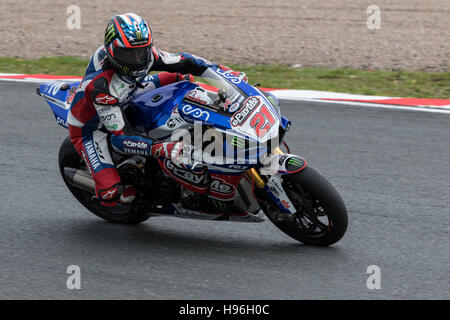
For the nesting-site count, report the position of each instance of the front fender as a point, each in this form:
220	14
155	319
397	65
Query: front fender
290	163
282	163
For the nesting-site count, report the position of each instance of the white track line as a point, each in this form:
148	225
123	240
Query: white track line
299	95
372	105
31	80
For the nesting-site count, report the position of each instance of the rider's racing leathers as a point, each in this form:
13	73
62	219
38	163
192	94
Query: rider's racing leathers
98	104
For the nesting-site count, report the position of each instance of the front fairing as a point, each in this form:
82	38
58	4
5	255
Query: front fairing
256	118
253	121
254	115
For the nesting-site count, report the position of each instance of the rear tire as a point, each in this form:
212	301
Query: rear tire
313	197
69	157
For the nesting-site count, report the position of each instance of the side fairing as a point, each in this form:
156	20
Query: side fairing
59	96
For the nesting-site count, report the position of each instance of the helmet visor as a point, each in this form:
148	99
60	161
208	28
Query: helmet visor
133	58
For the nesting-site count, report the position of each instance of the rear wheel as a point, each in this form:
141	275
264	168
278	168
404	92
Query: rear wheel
321	217
69	157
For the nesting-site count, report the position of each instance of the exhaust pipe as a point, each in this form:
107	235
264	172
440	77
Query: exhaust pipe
80	179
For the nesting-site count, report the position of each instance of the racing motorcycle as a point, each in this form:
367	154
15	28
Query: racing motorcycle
245	126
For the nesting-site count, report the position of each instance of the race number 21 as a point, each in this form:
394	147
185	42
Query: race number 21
262	121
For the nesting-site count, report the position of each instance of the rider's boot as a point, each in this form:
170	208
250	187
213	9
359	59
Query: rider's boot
128	195
120	202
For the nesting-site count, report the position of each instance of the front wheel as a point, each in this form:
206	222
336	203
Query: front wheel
321	217
68	157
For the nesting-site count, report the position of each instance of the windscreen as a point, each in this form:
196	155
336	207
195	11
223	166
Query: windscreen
213	82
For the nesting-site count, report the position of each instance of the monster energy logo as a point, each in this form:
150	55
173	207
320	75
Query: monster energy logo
219	205
272	100
125	69
237	142
110	33
139	35
294	161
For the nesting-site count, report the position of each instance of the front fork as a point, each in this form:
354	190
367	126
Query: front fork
272	185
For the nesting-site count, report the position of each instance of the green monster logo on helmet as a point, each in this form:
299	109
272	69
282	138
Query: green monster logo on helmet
139	35
110	33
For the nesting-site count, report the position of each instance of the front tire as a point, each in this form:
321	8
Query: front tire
69	157
321	217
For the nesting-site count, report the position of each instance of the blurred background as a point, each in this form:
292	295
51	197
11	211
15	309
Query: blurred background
414	34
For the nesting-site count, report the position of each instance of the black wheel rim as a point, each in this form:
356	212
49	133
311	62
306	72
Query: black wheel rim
311	217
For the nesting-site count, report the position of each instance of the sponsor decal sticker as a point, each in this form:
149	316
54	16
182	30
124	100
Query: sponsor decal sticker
233	107
197	96
173	122
108	117
99	151
112	127
198	179
294	164
294	161
109	194
136	147
241	116
282	159
285	204
134	144
229	76
195	112
174	119
105	99
221	187
110	33
71	95
92	155
61	122
227	103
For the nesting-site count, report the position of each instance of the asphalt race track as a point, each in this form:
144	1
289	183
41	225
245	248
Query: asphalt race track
390	166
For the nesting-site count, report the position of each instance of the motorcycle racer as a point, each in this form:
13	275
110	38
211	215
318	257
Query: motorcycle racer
115	72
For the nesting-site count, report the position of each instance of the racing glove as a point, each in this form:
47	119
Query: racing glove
171	150
188	77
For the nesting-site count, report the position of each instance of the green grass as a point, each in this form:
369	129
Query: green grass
67	66
385	83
